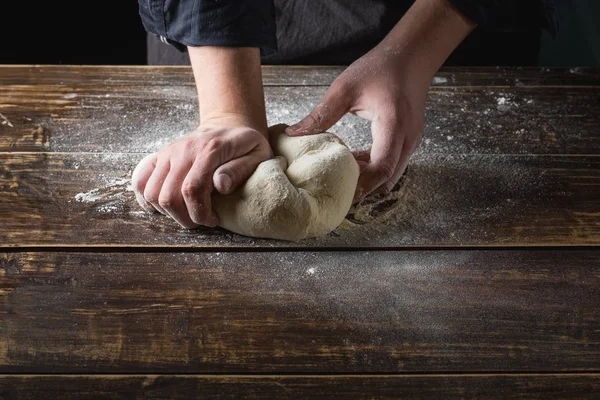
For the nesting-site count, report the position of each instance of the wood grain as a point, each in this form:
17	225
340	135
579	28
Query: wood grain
536	386
509	159
300	312
288	75
72	109
57	199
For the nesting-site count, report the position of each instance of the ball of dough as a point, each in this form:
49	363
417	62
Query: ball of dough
305	191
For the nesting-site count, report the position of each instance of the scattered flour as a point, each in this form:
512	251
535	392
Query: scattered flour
109	198
504	103
430	202
5	121
88	197
351	129
108	208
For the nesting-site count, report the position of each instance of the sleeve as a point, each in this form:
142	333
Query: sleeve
237	23
510	15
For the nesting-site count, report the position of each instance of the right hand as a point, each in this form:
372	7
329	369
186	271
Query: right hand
178	180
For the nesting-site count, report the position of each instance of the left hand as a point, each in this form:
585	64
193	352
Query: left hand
383	89
388	86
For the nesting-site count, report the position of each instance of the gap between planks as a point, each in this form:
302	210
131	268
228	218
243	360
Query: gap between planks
595	374
103	248
95	153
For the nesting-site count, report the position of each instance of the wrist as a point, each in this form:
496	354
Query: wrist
425	37
230	120
229	84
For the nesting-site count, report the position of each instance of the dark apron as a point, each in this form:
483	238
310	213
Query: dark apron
337	32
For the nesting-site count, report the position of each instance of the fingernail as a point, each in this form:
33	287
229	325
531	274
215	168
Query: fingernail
143	203
294	127
224	183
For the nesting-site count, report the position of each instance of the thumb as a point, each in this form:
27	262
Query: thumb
229	176
332	107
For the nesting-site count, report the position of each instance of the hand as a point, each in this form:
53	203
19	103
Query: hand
389	86
382	88
223	152
178	180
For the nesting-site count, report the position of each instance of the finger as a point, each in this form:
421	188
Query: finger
197	188
385	155
171	198
139	178
408	149
362	157
229	176
389	185
154	184
238	160
331	109
244	143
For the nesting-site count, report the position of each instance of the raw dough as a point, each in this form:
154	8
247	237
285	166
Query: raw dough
305	191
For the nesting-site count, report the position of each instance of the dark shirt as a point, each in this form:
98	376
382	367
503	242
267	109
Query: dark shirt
340	31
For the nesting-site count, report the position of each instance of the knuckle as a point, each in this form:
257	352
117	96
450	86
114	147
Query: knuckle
165	202
386	169
151	196
388	186
315	117
188	145
214	149
201	216
190	189
339	87
212	145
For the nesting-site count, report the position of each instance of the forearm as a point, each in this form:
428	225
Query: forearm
229	85
427	34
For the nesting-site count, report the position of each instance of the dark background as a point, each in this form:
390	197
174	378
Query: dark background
110	32
105	32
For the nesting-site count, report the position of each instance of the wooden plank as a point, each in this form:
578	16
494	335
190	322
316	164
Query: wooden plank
300	312
110	76
288	75
536	386
144	117
57	199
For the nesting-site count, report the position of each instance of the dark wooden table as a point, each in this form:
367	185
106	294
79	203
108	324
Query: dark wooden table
478	276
